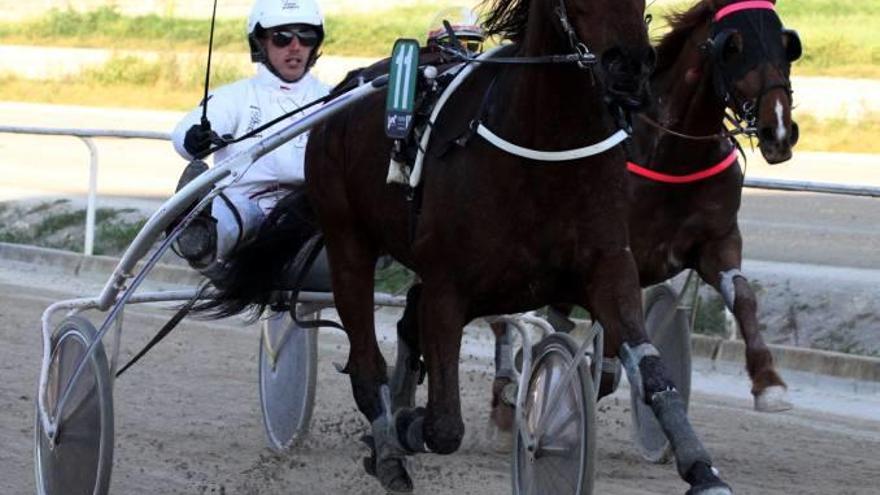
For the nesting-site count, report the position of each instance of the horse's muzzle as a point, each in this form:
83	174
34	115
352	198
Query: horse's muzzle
777	150
627	77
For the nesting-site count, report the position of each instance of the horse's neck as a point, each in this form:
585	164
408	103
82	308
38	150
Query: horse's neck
550	107
687	104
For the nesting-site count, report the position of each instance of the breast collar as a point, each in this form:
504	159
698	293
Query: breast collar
704	174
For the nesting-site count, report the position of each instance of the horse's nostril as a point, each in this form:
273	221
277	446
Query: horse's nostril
795	134
767	134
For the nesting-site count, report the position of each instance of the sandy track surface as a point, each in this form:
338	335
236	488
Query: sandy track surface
188	420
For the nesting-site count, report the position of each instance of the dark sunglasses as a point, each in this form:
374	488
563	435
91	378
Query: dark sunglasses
282	38
473	46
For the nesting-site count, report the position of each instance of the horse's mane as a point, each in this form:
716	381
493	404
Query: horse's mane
681	24
506	18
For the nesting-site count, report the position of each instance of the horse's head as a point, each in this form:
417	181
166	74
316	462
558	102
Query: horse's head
751	55
616	31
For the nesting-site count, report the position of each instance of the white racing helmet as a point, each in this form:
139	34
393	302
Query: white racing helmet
464	23
267	14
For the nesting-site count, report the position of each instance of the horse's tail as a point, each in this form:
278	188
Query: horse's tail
262	267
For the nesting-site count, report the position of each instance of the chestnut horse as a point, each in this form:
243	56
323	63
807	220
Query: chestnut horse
720	56
489	230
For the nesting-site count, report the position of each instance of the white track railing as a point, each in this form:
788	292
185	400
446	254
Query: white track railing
86	136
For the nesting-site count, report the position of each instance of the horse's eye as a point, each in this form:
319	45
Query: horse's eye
732	47
727	45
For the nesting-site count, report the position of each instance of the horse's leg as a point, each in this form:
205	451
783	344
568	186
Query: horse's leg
408	367
441	321
353	265
558	317
613	295
504	385
719	266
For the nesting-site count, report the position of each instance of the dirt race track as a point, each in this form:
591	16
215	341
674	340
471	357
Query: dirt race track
188	422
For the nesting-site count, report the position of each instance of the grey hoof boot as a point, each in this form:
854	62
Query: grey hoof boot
404	381
704	480
387	461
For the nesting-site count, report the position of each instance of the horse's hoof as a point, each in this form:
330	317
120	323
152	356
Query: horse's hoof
370	462
773	399
390	471
718	488
393	476
500	440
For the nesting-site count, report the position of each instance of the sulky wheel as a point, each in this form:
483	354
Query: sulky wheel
555	445
669	330
80	459
288	369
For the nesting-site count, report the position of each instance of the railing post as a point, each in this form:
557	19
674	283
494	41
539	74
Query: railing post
89	247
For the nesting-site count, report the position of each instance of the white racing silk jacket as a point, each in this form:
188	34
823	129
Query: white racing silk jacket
238	108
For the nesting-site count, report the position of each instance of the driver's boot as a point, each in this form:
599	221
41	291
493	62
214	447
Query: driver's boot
197	243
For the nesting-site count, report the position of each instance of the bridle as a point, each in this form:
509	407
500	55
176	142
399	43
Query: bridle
582	57
579	47
580	54
743	111
742	114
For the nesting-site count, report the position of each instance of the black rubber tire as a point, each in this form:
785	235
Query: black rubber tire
81	461
541	474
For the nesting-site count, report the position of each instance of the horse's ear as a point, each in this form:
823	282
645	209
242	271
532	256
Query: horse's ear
792	44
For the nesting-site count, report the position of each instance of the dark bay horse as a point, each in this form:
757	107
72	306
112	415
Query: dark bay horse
720	55
488	231
686	184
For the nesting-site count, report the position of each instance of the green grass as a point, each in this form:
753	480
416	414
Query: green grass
393	279
125	81
59	227
105	27
840	36
710	316
840	39
168	71
839	135
114	237
370	34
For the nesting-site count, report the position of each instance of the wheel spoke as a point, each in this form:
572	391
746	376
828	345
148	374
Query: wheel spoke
557	412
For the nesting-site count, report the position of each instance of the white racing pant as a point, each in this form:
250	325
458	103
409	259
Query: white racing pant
239	218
